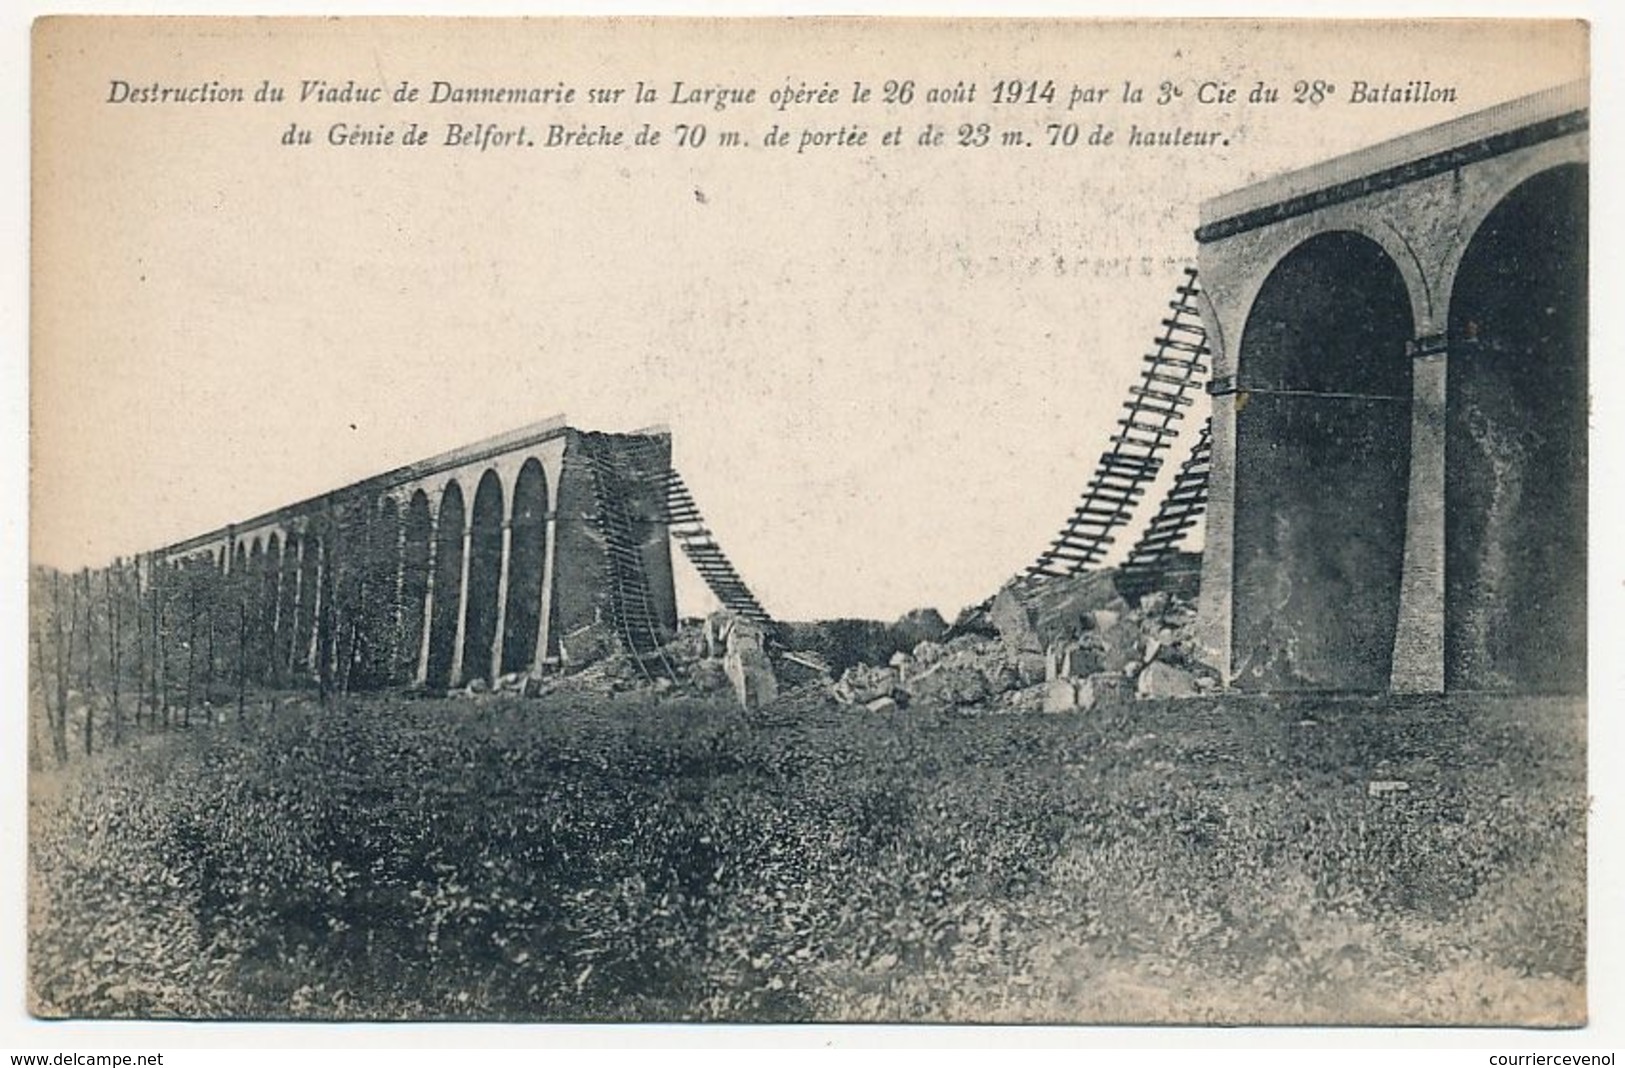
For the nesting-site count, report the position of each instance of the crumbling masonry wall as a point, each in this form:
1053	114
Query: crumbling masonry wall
584	599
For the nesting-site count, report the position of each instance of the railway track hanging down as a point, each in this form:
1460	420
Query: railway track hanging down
634	616
1170	383
688	529
1180	511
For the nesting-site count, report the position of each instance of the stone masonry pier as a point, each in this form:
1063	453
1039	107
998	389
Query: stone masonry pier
1398	495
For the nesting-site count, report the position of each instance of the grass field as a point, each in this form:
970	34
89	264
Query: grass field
1215	860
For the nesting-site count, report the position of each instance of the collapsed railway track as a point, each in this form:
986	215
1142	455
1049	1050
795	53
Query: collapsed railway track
635	619
631	607
1171	381
688	528
1180	512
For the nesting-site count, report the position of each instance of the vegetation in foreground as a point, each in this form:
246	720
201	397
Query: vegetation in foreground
1213	860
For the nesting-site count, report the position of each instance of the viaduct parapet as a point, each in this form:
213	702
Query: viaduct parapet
1398	488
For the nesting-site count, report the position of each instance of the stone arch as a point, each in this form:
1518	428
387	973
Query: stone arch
1515	444
309	593
287	600
1213	324
1323	420
329	616
252	577
1350	219
249	609
448	578
527	557
350	622
484	577
419	535
265	622
235	588
383	581
1493	186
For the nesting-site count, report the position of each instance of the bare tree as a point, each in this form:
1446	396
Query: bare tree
113	619
58	742
242	644
59	723
87	675
36	747
211	609
191	641
140	644
161	644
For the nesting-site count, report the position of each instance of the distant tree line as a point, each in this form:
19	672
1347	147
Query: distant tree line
147	644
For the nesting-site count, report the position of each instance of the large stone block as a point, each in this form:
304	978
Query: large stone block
1028	620
950	683
751	674
1164	680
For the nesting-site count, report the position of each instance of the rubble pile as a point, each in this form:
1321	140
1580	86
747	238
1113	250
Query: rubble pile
1070	644
725	653
1066	644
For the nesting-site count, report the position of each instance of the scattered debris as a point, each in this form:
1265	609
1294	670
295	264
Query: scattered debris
1064	695
1070	644
587	645
1164	680
863	684
1058	645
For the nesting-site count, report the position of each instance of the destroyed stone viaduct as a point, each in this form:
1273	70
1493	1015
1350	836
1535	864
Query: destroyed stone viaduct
1393	474
490	559
1398	487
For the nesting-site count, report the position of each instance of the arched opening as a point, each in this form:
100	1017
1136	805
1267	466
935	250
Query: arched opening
265	622
304	634
1323	418
1515	445
484	577
414	582
527	553
329	609
197	583
448	578
353	606
245	627
287	599
383	567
